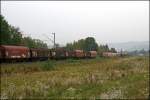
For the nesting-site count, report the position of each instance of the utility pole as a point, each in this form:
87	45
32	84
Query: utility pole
54	40
121	52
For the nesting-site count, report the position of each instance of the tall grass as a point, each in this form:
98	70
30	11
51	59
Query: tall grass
48	65
27	67
102	78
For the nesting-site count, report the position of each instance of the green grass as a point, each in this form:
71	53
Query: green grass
100	78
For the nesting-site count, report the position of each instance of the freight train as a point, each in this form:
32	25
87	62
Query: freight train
22	53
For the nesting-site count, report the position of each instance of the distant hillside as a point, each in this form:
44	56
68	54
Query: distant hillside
130	46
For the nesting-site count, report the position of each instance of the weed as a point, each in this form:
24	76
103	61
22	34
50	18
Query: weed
48	65
98	78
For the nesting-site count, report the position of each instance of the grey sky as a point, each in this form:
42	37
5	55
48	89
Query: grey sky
107	21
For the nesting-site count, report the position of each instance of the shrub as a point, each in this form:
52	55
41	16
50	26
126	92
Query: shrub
72	60
48	65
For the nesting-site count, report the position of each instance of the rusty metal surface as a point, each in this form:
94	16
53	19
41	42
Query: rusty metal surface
2	52
78	53
70	53
60	53
13	52
93	53
40	52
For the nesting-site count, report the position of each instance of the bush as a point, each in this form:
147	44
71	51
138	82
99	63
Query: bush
48	65
72	60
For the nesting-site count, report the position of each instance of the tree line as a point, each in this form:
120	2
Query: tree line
89	44
11	35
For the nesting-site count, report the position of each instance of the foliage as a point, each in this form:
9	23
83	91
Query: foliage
11	35
90	44
87	44
113	50
105	48
33	43
48	65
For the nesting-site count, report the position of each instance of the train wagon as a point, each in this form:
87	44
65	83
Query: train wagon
2	52
14	53
59	53
40	54
69	54
78	54
91	54
110	54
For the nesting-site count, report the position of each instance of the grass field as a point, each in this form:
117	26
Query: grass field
100	78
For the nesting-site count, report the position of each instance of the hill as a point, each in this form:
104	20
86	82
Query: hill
130	46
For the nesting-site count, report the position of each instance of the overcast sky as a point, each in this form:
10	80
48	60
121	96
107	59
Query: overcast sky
106	21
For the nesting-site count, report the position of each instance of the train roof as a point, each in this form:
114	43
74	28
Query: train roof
13	47
78	50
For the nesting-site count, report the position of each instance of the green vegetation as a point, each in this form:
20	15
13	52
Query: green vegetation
11	35
89	44
48	65
100	78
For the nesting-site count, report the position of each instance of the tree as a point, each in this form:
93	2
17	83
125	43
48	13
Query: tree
113	50
105	48
11	35
87	44
90	44
5	31
69	46
15	36
27	41
33	43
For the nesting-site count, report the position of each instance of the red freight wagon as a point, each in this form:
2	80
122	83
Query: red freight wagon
91	54
59	53
70	54
15	52
2	52
110	54
41	54
78	54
